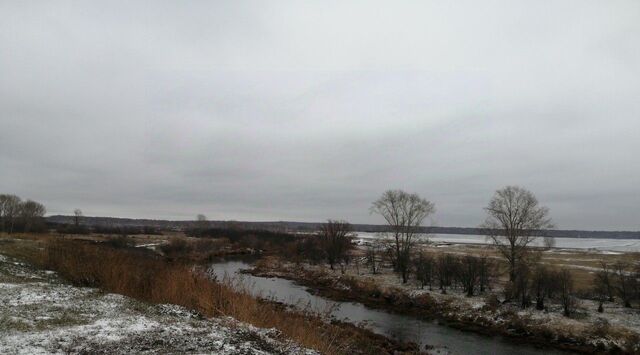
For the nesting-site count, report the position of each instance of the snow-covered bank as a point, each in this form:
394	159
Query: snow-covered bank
606	245
40	314
616	330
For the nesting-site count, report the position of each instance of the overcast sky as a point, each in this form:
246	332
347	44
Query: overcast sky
301	110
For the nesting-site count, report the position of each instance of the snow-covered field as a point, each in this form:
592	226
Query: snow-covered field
613	245
40	314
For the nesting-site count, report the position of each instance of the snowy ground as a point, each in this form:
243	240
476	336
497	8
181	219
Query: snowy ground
40	314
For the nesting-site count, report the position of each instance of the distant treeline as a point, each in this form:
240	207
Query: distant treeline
306	227
238	234
99	229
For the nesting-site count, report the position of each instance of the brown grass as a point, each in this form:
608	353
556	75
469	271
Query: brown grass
146	277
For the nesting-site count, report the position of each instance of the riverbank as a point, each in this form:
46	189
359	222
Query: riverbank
585	333
152	280
43	314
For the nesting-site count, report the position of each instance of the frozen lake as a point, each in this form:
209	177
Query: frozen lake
615	245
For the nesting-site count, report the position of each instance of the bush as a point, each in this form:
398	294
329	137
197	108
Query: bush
72	229
121	241
176	245
492	302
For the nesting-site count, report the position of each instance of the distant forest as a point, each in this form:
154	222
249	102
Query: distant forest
312	227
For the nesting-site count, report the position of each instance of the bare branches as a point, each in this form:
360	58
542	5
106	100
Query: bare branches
335	241
77	215
514	220
404	213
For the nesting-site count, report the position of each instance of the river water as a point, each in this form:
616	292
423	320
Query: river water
404	328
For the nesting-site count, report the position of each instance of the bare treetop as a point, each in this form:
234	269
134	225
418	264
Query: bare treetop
516	211
402	211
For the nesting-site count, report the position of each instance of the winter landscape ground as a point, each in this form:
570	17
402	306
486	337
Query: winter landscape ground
42	314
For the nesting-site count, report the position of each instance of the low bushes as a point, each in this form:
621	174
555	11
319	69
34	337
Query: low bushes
150	278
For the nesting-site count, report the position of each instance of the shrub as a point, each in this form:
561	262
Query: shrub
121	241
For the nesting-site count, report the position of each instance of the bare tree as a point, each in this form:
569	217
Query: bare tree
31	213
373	253
4	199
335	241
549	242
469	273
404	213
9	211
77	215
514	220
542	281
624	282
445	270
424	266
486	270
604	281
569	302
522	284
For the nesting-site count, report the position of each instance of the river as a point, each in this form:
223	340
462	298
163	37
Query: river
447	340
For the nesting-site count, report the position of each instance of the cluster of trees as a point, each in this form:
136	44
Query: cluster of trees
620	280
332	244
536	282
17	215
514	220
472	274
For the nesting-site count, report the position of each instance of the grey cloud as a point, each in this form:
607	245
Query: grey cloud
308	110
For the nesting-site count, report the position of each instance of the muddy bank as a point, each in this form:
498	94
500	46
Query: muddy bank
488	318
366	341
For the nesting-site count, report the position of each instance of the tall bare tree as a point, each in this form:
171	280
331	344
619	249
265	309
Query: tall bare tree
568	300
624	282
77	214
514	220
404	213
604	281
9	211
335	239
469	273
373	253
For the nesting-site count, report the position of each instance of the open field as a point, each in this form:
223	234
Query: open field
582	263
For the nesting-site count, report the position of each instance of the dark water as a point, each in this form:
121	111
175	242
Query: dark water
404	328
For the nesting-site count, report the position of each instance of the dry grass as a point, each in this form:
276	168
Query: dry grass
581	263
141	275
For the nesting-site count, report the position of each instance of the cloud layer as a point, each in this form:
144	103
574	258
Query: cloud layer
310	110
